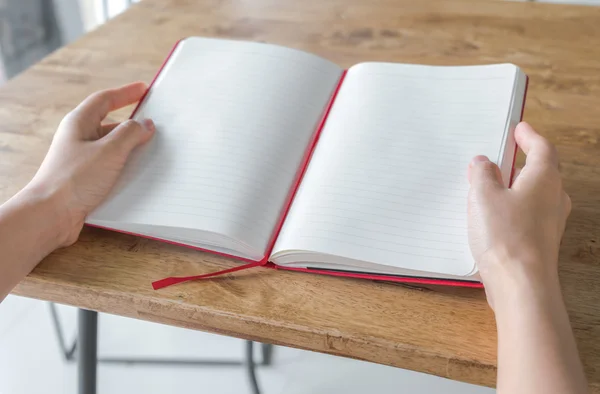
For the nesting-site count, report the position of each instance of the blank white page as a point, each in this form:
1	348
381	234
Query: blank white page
388	180
233	121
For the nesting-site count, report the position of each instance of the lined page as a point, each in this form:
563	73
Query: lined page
233	121
387	183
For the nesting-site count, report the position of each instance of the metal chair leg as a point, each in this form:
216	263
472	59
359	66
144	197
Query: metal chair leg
250	369
87	356
68	354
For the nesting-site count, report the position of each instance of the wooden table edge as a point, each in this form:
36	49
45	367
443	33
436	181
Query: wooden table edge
202	318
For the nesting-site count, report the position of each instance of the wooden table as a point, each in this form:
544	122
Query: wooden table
446	332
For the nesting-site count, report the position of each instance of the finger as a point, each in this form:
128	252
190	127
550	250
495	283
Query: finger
515	174
96	106
484	175
538	149
129	134
106	128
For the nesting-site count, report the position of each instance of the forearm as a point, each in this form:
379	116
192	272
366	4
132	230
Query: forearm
30	229
536	348
82	165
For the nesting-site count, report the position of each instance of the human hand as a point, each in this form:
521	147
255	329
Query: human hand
86	157
515	233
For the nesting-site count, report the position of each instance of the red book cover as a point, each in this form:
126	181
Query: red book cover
289	199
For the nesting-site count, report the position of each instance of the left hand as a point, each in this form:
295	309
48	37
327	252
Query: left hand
86	157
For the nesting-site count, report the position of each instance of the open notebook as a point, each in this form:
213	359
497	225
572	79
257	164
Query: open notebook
270	154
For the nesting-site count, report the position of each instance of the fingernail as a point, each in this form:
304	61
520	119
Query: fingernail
480	158
149	124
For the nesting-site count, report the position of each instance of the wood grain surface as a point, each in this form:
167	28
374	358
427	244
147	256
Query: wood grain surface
442	331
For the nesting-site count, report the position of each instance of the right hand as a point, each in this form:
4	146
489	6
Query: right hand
515	233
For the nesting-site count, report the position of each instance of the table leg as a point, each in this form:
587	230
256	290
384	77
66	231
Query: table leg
87	351
267	353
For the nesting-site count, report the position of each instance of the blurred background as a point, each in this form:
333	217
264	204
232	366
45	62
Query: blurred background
30	355
30	29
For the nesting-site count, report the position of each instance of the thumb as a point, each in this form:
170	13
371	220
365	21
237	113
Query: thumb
130	134
484	175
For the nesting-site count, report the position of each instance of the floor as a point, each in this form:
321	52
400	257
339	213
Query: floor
30	361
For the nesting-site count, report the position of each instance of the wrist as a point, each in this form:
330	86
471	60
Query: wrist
511	281
51	206
524	297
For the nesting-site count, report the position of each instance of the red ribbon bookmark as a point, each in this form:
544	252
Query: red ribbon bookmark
299	174
159	284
